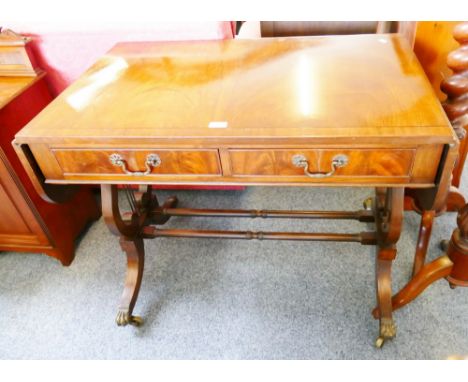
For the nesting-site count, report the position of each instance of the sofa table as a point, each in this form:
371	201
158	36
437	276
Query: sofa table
335	111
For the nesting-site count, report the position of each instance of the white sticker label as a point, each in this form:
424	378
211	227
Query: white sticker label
218	125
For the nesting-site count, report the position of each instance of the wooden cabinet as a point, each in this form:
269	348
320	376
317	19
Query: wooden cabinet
28	223
18	224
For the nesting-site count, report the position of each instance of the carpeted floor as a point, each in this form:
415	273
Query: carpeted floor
229	299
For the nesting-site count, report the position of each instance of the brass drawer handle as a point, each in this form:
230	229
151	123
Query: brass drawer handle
152	160
338	161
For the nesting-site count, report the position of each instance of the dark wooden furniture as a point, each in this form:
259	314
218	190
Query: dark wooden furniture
318	28
441	47
257	29
336	111
456	108
456	88
453	266
27	222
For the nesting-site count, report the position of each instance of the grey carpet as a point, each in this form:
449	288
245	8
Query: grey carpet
229	299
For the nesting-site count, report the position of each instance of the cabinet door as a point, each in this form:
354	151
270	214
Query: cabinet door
20	223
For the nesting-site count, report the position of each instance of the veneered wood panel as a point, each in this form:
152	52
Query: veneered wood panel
361	162
416	166
190	162
426	163
279	95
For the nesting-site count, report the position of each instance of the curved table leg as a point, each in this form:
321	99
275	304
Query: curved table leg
387	328
389	217
429	274
135	251
131	241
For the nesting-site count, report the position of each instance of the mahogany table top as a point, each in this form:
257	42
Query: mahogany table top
367	87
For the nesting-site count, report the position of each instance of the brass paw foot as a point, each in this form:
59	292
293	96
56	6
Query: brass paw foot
387	331
124	318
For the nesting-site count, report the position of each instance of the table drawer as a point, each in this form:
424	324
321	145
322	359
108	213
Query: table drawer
291	163
134	162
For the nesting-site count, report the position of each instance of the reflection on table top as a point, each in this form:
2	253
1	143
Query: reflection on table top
333	86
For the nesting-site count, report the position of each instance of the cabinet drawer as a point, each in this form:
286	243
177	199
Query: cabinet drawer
359	162
132	162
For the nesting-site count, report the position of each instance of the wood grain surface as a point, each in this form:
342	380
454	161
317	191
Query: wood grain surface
331	86
235	112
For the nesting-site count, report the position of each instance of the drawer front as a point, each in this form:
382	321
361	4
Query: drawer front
359	162
169	162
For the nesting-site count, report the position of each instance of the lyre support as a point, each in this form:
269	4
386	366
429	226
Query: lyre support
142	205
147	215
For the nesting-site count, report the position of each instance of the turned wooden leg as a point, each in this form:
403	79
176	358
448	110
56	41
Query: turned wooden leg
425	230
456	104
456	107
135	251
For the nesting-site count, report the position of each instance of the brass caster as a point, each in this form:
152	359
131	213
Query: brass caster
136	321
124	318
387	331
379	342
368	203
